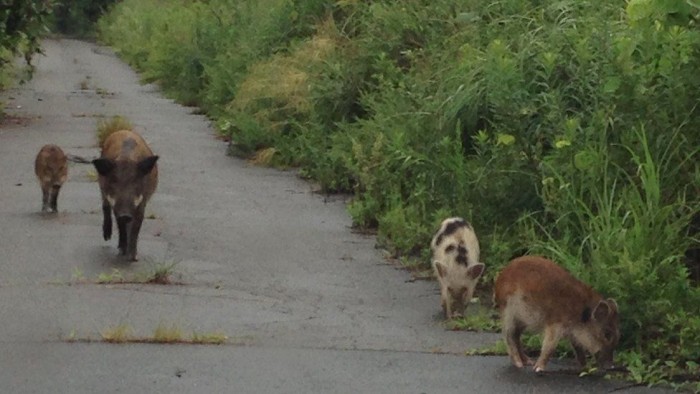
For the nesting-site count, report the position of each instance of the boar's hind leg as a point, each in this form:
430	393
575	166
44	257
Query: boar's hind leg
134	234
54	198
107	220
552	335
513	330
45	199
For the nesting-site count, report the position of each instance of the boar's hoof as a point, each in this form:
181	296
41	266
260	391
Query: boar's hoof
539	370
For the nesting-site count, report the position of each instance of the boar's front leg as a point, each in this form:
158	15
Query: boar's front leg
580	354
134	233
123	224
550	339
107	220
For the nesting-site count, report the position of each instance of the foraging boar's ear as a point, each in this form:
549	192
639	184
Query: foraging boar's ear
104	166
146	165
601	311
440	268
475	271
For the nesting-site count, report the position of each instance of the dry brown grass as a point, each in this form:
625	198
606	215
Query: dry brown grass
277	89
105	127
117	334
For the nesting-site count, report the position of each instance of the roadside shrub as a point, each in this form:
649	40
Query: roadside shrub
22	23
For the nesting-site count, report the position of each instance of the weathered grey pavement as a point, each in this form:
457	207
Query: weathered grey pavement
308	306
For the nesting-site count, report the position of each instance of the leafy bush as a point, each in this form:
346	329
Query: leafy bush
22	23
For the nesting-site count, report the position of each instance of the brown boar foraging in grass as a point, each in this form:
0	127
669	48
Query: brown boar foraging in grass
51	168
456	264
128	176
535	294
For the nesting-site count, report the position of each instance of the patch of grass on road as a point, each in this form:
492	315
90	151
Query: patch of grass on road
158	273
117	334
162	334
482	321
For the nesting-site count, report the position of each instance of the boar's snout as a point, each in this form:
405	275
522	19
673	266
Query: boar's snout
604	358
453	307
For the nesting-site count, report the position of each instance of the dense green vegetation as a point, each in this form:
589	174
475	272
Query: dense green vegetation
567	128
22	22
77	17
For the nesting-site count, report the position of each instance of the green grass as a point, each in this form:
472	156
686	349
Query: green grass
157	273
479	322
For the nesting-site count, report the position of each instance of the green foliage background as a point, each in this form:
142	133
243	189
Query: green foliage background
564	128
22	22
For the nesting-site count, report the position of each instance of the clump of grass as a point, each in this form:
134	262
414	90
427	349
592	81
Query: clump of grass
115	276
167	334
481	321
263	157
105	127
213	338
117	334
77	275
160	274
163	334
91	175
497	349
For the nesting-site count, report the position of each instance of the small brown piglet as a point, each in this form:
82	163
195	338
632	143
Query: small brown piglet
51	168
535	294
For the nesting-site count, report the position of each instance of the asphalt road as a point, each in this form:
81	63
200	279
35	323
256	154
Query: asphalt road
307	305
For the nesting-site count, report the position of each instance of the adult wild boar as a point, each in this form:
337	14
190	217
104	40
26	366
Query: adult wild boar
456	264
535	294
51	167
128	176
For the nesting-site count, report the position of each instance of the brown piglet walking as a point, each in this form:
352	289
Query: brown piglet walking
456	264
128	176
535	294
51	167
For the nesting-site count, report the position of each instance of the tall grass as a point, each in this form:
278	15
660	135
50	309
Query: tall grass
620	235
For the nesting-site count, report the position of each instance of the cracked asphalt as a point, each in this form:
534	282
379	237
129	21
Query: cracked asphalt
307	305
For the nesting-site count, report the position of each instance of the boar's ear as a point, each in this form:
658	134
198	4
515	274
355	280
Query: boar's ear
104	166
475	271
440	268
146	165
601	311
